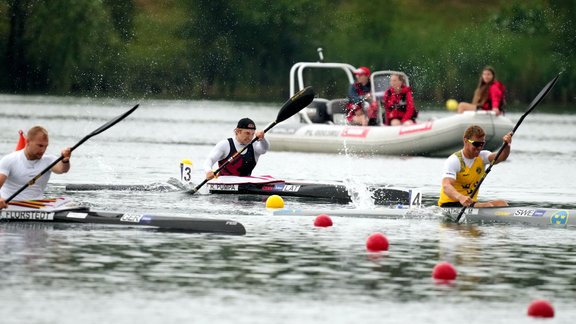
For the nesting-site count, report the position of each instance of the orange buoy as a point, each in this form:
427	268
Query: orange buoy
21	141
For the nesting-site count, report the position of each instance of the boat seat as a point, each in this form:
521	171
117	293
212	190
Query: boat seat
317	111
337	109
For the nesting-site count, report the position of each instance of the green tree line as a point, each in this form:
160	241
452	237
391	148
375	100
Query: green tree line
243	50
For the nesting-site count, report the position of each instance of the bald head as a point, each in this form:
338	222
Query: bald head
37	131
37	143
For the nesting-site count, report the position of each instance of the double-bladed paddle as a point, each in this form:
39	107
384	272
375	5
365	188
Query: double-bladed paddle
94	133
533	105
293	105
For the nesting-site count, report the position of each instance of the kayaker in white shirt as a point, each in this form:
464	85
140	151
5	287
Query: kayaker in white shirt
19	167
243	164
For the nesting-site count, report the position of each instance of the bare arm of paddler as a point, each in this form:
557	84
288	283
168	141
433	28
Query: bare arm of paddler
505	152
64	165
448	187
450	191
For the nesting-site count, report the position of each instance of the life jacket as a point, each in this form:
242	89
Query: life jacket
466	179
400	105
396	105
242	165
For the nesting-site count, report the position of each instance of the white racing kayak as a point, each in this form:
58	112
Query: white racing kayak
510	215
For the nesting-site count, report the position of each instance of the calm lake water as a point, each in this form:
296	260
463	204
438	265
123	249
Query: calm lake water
284	270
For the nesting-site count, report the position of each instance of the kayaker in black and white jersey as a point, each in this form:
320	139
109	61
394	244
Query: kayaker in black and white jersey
243	164
19	167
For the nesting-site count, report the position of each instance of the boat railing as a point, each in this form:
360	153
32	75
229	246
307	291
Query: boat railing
297	79
297	72
380	81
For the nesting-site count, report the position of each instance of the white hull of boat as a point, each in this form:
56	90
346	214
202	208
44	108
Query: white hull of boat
437	137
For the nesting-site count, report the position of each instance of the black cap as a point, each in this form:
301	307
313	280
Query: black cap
246	123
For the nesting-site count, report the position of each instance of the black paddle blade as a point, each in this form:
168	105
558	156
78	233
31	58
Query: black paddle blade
537	100
114	121
296	103
105	127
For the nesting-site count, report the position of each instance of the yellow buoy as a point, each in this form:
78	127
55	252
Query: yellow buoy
274	201
451	104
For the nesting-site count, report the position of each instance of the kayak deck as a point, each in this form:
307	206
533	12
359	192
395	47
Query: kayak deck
160	222
508	215
337	192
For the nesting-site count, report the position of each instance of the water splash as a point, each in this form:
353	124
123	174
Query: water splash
359	194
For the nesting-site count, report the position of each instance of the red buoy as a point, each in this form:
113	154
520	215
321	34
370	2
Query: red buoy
377	242
444	271
541	308
323	220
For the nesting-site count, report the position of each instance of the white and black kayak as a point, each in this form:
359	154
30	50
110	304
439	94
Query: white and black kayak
509	215
60	210
331	191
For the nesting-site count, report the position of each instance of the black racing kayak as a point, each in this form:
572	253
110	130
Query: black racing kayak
334	192
159	222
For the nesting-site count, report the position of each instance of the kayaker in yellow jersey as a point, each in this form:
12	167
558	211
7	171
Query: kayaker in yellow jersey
464	169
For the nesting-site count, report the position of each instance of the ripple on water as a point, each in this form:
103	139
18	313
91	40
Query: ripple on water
284	270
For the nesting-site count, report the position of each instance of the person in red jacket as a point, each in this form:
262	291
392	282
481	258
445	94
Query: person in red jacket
398	103
489	94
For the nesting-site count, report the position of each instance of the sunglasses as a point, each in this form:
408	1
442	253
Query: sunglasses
476	143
